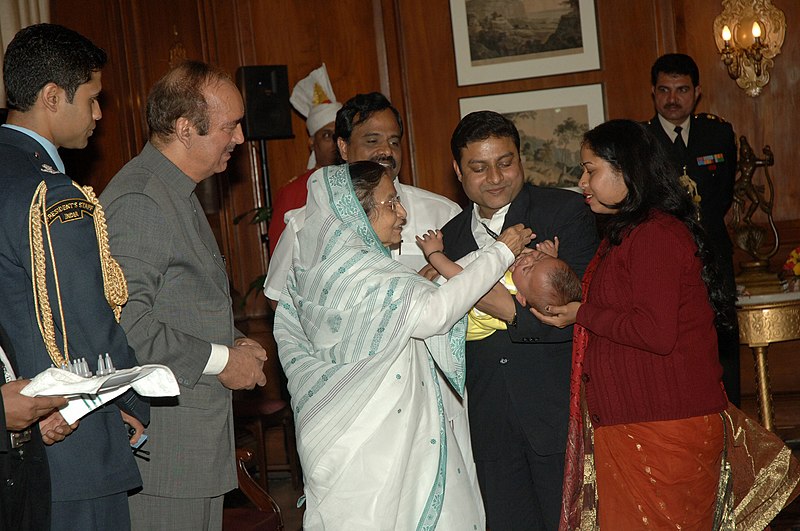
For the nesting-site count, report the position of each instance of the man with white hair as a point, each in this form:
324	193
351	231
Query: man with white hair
313	98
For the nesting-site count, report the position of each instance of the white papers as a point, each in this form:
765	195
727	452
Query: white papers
87	394
80	405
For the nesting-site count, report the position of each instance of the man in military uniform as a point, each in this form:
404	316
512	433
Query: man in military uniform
705	146
59	286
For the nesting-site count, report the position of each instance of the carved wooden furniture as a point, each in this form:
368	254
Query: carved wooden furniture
266	516
763	320
257	413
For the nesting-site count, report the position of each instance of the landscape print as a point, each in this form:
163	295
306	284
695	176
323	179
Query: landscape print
550	142
513	30
551	124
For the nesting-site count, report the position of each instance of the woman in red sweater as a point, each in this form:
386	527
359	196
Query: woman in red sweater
645	365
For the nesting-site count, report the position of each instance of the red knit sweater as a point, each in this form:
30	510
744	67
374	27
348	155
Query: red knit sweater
652	350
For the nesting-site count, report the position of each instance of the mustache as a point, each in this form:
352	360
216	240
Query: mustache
390	160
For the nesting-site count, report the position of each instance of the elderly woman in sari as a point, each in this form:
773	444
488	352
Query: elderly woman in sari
374	353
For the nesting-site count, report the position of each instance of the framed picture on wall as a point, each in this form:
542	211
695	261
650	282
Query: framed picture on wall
551	124
497	40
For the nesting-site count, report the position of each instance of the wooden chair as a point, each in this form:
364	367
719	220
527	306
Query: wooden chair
257	413
266	516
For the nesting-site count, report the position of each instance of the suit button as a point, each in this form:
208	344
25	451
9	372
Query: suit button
585	378
503	361
10	482
596	419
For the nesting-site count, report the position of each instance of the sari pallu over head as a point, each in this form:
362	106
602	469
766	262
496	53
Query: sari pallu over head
345	316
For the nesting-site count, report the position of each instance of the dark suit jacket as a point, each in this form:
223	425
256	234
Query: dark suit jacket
24	475
96	459
523	372
709	135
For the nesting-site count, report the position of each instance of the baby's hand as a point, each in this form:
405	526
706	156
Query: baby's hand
549	247
430	242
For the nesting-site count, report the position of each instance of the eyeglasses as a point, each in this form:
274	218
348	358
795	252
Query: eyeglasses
393	202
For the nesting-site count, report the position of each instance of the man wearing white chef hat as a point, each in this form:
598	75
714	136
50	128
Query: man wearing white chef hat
312	97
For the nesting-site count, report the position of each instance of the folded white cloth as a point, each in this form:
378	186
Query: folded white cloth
87	394
147	380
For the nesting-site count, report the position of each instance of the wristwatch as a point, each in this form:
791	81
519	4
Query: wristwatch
513	321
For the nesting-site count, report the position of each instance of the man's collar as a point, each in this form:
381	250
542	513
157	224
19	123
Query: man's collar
168	171
48	146
485	230
669	127
500	214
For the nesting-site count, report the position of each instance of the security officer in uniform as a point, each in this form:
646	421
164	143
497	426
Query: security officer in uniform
59	286
705	146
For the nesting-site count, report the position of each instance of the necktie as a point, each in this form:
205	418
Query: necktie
679	144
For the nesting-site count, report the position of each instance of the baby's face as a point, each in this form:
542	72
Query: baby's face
530	278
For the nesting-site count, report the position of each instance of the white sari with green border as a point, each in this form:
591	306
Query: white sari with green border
374	356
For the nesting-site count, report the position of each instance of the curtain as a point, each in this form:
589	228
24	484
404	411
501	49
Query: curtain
15	15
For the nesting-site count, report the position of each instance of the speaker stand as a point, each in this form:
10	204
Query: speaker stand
262	151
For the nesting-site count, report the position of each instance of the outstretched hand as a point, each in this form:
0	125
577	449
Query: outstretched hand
559	316
516	238
430	242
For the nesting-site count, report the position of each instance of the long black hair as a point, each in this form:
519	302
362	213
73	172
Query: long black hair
652	182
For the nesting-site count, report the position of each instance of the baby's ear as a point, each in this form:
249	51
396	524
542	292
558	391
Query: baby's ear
520	298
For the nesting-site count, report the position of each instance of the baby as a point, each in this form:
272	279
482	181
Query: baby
538	279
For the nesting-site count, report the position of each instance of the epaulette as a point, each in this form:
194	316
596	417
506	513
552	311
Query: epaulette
709	116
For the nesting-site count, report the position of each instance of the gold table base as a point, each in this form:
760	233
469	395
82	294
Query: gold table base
761	324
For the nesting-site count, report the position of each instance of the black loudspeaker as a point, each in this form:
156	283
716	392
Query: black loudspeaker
267	112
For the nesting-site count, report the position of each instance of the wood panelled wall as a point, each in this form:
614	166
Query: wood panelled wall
404	48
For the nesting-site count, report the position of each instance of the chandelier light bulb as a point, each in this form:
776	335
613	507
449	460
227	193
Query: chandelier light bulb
756	30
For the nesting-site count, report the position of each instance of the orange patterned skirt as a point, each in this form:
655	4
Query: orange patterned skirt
659	475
